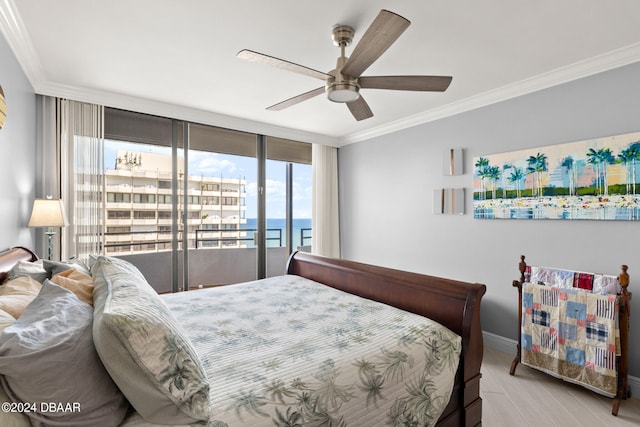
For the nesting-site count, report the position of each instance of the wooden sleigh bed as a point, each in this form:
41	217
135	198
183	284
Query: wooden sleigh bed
453	304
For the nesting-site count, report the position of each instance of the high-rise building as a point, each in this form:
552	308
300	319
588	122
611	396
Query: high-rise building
139	206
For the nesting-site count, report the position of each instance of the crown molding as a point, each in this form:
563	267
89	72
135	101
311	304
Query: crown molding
12	28
598	64
143	105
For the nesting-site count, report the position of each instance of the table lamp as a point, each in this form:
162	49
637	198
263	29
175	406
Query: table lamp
48	213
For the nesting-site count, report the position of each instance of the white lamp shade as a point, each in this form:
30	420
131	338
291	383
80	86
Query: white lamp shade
48	213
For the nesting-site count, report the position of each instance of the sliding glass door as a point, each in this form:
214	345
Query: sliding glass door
288	213
196	206
222	167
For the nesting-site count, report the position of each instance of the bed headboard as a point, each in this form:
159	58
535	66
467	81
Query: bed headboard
10	257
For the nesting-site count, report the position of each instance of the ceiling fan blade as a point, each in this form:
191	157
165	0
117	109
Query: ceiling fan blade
382	33
296	99
418	83
360	109
250	55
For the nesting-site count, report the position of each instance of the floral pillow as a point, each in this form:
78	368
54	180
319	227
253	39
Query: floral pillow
144	348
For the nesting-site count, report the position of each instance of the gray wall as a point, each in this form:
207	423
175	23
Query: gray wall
17	153
386	189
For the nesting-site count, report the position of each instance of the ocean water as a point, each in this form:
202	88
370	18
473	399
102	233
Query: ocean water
275	224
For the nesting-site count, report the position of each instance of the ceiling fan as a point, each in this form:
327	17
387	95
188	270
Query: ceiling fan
343	83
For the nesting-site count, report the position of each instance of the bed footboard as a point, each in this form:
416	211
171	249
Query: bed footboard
452	303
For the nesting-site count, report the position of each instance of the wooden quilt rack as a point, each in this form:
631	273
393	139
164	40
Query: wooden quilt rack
622	361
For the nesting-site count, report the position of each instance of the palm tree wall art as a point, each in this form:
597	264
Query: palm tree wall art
591	179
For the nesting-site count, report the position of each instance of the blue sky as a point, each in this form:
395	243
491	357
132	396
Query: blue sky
228	166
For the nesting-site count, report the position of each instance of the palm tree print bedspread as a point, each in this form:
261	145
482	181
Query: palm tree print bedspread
287	351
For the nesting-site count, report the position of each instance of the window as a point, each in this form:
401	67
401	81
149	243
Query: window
205	189
118	229
144	198
119	197
164	199
119	214
229	201
193	215
210	187
144	214
210	200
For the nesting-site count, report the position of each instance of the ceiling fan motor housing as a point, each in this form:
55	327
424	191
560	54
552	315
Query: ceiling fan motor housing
341	88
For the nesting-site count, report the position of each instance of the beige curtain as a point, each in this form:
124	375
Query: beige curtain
71	143
325	222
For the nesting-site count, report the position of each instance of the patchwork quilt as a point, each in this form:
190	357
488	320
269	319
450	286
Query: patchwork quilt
595	283
572	334
287	351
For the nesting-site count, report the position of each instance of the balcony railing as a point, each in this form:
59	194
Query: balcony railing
154	241
229	240
304	237
150	251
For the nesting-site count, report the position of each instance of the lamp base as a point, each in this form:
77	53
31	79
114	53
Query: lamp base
50	233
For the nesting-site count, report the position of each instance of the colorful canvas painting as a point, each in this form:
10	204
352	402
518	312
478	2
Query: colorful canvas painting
592	179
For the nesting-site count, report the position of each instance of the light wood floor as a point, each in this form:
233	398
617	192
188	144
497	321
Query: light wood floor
531	398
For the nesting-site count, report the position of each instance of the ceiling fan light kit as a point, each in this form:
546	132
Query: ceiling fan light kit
343	92
344	82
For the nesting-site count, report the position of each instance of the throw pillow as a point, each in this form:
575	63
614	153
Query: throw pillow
144	348
79	283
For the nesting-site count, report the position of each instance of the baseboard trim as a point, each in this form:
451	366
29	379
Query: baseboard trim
507	345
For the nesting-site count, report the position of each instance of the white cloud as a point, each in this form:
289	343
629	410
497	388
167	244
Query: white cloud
212	165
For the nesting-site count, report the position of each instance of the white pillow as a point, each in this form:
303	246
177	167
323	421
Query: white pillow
8	418
34	270
47	355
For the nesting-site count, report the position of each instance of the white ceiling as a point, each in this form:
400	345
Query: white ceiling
177	58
